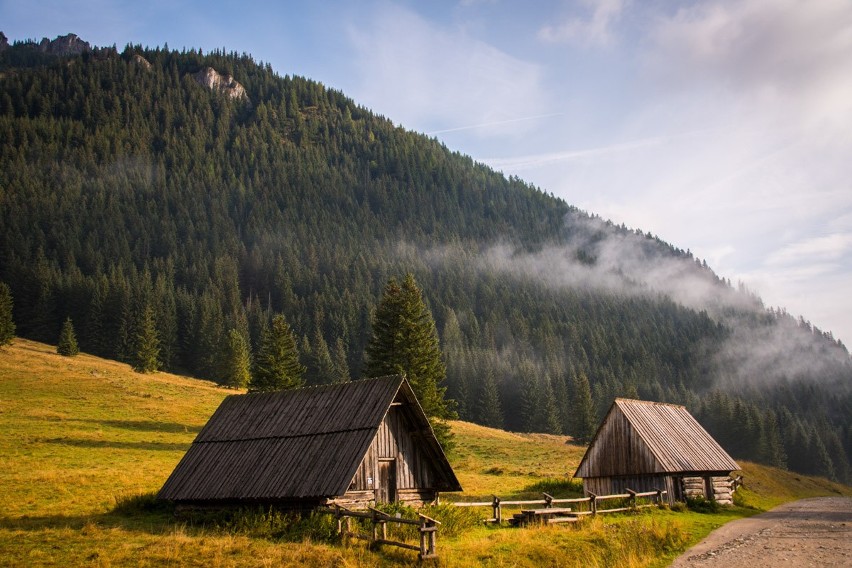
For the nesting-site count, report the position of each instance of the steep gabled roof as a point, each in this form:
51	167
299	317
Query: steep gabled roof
304	443
639	437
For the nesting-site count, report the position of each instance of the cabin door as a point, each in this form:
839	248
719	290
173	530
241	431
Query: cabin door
386	491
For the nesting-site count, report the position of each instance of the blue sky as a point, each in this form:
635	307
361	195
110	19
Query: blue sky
723	126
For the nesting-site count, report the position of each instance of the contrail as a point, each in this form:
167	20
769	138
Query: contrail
495	123
524	162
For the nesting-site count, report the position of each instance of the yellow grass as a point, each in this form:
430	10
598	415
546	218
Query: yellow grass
80	434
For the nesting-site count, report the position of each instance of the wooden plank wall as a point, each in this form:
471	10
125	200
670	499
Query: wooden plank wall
395	440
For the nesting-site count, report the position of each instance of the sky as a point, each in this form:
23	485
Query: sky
722	126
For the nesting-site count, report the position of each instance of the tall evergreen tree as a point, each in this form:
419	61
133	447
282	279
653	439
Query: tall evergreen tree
324	371
405	341
584	422
236	363
341	365
549	415
277	365
7	324
67	344
489	412
147	345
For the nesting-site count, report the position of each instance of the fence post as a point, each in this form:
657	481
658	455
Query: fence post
632	498
548	500
428	536
593	504
495	504
659	496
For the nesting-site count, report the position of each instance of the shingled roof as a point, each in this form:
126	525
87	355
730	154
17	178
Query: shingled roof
640	437
295	444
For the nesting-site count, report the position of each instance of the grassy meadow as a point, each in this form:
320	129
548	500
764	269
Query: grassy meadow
86	441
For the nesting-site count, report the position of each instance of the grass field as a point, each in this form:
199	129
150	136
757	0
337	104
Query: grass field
83	434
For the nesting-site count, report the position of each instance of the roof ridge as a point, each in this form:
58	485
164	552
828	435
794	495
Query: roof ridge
320	387
648	402
288	437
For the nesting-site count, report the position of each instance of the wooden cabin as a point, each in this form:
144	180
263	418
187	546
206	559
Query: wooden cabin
647	446
356	444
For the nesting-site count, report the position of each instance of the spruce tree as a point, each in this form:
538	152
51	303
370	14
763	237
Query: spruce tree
67	345
7	324
489	412
584	423
549	415
277	365
324	369
236	364
146	357
341	365
405	341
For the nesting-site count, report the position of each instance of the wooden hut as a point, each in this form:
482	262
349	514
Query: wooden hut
355	443
648	446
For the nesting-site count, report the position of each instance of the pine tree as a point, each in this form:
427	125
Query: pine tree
549	418
67	345
341	365
321	360
489	412
7	324
405	341
236	364
147	345
528	397
584	423
277	365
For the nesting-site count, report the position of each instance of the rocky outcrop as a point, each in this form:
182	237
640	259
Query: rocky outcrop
141	62
4	42
69	44
225	84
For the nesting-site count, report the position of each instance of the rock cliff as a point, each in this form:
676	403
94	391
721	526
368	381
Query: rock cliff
225	84
69	44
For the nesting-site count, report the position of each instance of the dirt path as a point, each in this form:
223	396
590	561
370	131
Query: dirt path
810	532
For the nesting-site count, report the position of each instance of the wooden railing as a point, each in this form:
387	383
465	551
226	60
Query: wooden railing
737	483
586	505
427	527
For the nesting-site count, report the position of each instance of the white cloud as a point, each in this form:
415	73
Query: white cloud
594	31
813	250
791	53
433	78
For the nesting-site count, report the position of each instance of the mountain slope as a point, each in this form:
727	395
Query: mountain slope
85	434
125	184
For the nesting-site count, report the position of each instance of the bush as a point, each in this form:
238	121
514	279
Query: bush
128	505
679	507
277	525
702	505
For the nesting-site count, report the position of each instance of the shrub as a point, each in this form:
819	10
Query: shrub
128	505
702	505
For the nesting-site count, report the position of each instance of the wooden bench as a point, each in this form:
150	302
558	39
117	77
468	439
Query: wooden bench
548	515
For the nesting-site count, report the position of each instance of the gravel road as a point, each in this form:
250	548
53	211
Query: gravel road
810	532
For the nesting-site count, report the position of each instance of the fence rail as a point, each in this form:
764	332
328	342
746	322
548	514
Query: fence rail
591	503
427	527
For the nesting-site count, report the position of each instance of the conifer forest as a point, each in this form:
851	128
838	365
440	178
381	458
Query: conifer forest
172	223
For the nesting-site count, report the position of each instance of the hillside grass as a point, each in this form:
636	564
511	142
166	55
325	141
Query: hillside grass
87	442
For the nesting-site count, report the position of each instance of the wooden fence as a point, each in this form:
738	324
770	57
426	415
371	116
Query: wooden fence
427	527
590	505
